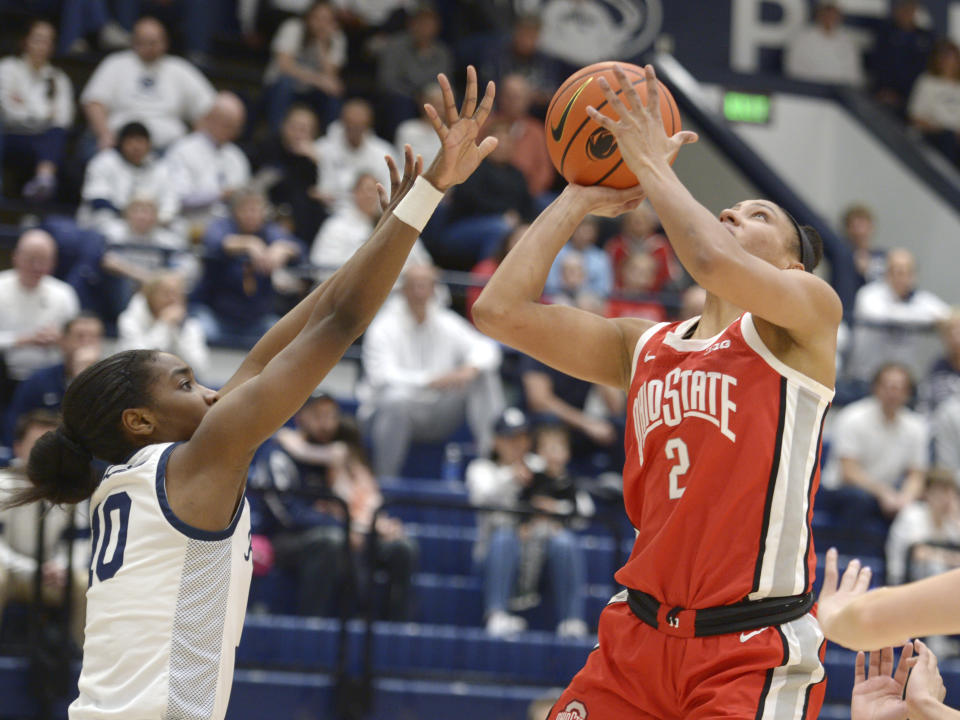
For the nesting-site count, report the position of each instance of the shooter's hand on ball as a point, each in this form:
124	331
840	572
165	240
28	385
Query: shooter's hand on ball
640	136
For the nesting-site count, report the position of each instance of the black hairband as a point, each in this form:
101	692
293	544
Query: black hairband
807	256
72	444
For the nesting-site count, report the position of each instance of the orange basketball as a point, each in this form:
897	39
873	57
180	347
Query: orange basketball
581	150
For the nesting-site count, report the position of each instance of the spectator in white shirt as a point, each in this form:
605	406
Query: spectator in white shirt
308	53
825	52
934	519
342	234
35	308
427	369
879	451
934	106
36	108
946	434
145	84
892	320
206	167
417	132
156	319
18	536
114	175
348	149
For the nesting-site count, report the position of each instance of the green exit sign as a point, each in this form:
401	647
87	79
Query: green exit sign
746	107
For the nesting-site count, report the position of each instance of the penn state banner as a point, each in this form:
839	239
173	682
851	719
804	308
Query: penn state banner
706	35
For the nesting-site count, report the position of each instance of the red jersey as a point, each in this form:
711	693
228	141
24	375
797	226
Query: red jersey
722	463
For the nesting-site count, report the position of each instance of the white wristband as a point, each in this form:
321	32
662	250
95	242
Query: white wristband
417	206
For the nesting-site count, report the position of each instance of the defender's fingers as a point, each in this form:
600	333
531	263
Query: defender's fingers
859	668
408	162
486	104
907	661
830	576
874	664
419	167
602	120
849	577
863	580
886	661
612	98
470	93
449	101
653	92
487	146
382	195
434	117
393	171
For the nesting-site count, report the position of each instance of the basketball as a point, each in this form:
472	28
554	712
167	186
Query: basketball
581	150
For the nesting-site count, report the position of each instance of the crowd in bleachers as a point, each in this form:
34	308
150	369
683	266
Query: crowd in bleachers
202	213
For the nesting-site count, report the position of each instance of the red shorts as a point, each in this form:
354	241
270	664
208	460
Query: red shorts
638	672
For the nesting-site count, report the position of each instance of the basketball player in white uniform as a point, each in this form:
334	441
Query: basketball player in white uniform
171	559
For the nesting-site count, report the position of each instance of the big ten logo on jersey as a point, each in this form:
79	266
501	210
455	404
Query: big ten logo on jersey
722	345
604	28
112	516
683	394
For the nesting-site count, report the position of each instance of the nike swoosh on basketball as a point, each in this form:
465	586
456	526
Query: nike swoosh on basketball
648	357
746	636
558	130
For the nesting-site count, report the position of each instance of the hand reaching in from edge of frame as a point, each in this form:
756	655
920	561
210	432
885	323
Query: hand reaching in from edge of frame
639	132
878	695
925	687
459	153
399	184
837	593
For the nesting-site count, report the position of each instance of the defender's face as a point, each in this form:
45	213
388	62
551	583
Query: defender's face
179	402
763	230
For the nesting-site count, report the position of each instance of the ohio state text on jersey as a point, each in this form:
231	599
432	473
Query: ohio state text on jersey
722	463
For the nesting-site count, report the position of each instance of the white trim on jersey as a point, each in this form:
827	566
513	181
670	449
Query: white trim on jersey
756	343
675	338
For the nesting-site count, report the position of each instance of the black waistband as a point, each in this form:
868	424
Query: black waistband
747	615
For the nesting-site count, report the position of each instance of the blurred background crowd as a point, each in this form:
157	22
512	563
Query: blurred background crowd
177	174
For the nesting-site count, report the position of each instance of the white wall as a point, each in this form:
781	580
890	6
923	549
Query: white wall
832	162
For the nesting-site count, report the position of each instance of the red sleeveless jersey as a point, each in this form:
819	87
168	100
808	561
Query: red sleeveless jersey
723	451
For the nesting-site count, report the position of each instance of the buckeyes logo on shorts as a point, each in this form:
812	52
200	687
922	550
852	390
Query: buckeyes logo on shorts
575	710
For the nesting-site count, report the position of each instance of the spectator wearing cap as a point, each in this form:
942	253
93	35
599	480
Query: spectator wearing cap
80	345
407	63
36	108
427	369
505	480
236	298
308	53
114	175
146	84
35	307
899	54
891	316
302	467
825	52
206	167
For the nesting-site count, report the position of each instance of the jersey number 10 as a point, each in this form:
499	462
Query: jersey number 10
116	518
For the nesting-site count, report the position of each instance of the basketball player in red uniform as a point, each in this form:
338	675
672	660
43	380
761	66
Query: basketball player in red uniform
724	420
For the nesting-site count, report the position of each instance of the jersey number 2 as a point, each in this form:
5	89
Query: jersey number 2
114	507
677	450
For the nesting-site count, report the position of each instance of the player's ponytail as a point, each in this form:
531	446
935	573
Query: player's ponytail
60	468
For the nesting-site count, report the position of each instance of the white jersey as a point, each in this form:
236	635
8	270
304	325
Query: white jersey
166	602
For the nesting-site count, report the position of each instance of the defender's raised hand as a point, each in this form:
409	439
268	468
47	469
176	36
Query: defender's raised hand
639	132
399	185
459	154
